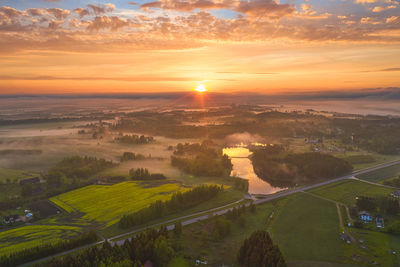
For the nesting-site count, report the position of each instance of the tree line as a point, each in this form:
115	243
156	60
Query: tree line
179	201
144	174
135	139
77	167
127	156
201	160
151	246
38	252
287	170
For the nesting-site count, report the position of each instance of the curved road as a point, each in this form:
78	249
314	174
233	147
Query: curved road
204	215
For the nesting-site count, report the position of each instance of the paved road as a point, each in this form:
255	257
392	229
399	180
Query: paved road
221	210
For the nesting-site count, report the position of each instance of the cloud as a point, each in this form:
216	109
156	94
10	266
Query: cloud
101	9
105	22
123	79
266	8
393	19
366	1
81	11
185	6
58	13
382	8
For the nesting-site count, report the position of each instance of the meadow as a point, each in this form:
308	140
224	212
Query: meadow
106	204
13	174
346	191
307	229
314	239
381	174
33	235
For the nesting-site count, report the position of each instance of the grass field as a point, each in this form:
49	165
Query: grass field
375	247
307	229
381	174
30	236
106	204
14	174
346	191
223	251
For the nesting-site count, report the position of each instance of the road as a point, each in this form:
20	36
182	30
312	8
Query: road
204	215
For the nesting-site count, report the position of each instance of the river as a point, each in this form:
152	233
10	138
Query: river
243	168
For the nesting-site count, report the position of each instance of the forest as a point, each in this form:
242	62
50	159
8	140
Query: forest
201	160
283	169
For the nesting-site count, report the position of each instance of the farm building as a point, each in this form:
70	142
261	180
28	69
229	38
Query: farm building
34	180
365	217
395	194
380	222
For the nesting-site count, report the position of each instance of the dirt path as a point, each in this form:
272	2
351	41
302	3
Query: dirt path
340	217
348	213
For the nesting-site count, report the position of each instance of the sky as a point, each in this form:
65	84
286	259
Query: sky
262	46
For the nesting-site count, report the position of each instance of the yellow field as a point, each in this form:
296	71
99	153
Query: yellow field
107	204
34	235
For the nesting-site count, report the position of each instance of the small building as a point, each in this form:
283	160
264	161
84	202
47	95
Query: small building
395	194
29	216
365	217
380	222
34	180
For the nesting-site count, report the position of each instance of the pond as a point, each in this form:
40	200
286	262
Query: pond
243	168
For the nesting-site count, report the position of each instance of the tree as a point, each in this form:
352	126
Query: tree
259	251
178	229
162	252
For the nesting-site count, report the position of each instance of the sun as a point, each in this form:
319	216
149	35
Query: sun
200	88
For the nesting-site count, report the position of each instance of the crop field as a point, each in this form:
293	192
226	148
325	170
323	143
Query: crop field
381	174
30	236
107	204
307	229
346	191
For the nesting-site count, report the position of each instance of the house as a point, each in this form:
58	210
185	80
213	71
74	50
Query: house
34	180
380	222
29	216
395	194
365	217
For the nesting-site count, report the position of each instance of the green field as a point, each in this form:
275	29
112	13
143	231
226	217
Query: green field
14	174
219	252
304	227
307	229
375	247
381	174
346	191
106	204
34	235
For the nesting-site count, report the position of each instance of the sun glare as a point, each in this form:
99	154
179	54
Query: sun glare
200	88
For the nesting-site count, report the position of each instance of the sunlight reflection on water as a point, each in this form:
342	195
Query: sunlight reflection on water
243	168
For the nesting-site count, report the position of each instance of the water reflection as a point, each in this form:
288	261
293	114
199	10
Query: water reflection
242	167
